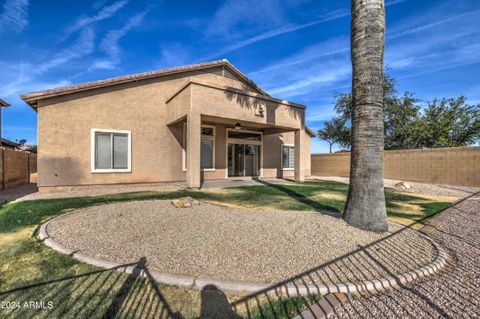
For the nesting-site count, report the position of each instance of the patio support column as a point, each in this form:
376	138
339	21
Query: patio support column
193	149
299	160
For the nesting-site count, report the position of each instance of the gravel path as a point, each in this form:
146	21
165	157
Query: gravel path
453	294
435	190
231	244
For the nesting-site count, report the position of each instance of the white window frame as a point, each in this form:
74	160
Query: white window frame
281	154
93	131
202	137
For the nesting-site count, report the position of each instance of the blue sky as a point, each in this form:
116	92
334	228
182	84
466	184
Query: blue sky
295	49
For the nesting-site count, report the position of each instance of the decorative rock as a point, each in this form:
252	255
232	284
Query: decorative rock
403	185
185	202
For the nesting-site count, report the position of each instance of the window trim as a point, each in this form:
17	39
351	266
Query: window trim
202	137
93	131
281	154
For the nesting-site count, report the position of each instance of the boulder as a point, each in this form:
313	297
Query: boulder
185	202
403	186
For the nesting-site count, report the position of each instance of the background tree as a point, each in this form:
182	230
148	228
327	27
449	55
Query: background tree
335	131
442	123
365	207
400	115
448	123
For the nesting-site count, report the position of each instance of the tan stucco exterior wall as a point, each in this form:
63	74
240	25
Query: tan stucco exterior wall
65	123
273	162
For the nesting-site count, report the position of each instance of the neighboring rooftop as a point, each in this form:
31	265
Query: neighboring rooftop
8	143
33	97
4	103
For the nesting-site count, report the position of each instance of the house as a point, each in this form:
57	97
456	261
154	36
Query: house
205	121
2	104
9	144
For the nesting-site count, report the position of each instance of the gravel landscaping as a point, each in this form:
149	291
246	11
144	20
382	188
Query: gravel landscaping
233	244
452	294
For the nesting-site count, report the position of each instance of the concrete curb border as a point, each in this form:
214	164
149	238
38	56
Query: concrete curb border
241	288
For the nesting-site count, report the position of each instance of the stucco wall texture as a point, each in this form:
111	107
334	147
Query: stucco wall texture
65	123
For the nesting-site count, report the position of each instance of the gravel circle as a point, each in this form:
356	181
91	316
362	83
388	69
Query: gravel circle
233	244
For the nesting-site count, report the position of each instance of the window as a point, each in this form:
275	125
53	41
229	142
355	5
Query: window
288	157
111	151
206	154
207	147
207	150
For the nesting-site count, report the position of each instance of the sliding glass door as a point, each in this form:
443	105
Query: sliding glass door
243	160
244	153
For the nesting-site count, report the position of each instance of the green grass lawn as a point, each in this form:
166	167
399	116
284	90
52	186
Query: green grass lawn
31	272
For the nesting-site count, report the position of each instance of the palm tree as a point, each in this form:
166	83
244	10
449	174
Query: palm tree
365	207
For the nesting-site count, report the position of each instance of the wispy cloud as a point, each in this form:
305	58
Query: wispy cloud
110	44
334	15
24	74
174	55
305	85
432	25
104	13
234	17
14	16
277	32
321	50
83	46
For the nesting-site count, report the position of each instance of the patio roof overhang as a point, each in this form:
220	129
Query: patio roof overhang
197	102
228	105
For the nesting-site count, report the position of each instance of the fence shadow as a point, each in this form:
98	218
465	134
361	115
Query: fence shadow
107	293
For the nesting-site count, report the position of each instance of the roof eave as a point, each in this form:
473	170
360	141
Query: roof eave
310	131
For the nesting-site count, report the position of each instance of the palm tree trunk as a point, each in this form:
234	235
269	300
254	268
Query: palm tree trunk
365	207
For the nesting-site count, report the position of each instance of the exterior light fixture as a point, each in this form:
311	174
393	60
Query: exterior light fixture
238	126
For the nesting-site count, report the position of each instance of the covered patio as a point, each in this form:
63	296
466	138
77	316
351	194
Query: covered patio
226	132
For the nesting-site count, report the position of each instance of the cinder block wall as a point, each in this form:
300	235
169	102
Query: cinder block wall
456	166
16	167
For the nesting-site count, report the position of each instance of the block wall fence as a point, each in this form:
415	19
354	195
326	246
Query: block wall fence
456	165
16	167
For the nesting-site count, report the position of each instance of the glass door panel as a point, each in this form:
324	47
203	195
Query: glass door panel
239	160
252	160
